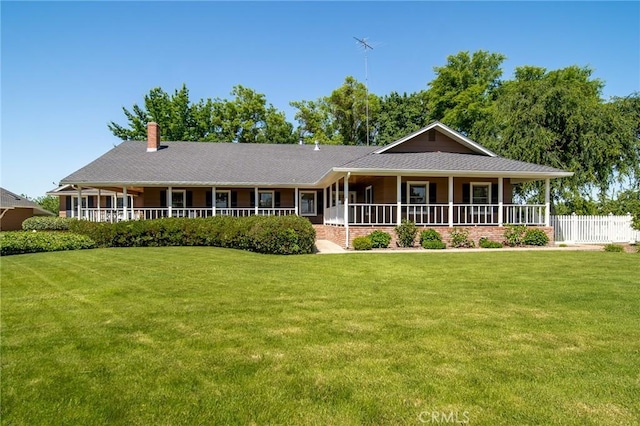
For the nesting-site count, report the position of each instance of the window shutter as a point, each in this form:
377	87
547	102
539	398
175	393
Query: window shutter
189	200
108	201
403	193
466	193
163	198
433	199
276	199
253	198
90	199
494	193
209	201
234	199
67	202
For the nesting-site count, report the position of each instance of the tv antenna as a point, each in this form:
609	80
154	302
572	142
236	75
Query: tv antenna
363	42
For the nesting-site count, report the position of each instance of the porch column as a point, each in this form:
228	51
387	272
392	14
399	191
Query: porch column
337	192
79	202
125	203
547	203
346	209
500	203
99	214
450	192
324	206
213	200
399	199
169	201
296	195
255	194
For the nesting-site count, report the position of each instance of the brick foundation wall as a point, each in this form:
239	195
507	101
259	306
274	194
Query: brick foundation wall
336	234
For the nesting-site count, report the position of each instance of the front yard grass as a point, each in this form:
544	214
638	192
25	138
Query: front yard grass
197	335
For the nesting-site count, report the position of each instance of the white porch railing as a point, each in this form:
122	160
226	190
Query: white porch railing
117	215
594	229
436	214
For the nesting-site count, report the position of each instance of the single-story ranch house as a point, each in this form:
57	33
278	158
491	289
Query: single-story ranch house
14	209
435	177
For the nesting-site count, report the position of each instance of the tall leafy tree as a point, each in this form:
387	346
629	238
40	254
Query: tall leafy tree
401	115
462	93
557	118
246	118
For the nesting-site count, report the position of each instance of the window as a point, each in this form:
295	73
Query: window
223	199
74	200
265	199
308	203
418	193
178	199
352	197
120	202
480	193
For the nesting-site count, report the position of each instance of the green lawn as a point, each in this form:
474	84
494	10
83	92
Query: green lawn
212	336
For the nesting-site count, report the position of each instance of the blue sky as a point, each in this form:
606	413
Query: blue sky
69	67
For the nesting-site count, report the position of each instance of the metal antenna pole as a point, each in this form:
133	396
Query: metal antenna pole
365	45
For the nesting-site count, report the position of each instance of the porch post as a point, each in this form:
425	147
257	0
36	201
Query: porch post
399	199
255	194
296	195
547	203
79	202
99	214
169	201
125	203
324	206
346	209
213	200
337	192
500	204
450	192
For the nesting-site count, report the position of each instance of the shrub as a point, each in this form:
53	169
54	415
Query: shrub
263	234
433	245
47	223
20	242
535	237
460	238
487	243
430	235
406	233
362	243
614	248
514	235
380	239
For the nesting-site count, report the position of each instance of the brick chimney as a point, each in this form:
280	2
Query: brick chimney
153	137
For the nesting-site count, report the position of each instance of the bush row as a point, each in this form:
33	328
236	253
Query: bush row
19	242
262	234
46	223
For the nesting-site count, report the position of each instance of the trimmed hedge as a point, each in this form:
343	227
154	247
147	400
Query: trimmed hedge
47	223
362	243
535	237
380	239
262	234
434	245
487	243
614	248
19	242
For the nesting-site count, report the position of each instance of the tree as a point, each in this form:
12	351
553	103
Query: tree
558	119
340	118
48	202
462	93
401	115
245	119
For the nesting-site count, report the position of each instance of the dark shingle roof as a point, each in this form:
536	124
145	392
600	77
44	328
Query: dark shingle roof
445	162
9	200
201	163
228	164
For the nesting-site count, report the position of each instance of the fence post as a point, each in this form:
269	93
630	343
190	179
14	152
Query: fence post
574	228
630	226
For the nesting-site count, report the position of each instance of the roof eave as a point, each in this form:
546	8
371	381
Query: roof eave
454	173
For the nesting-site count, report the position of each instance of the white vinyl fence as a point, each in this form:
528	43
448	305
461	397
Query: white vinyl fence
594	229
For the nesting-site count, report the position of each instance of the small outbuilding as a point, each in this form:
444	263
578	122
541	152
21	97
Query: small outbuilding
14	209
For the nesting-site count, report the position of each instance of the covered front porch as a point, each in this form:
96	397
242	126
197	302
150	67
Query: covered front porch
429	201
